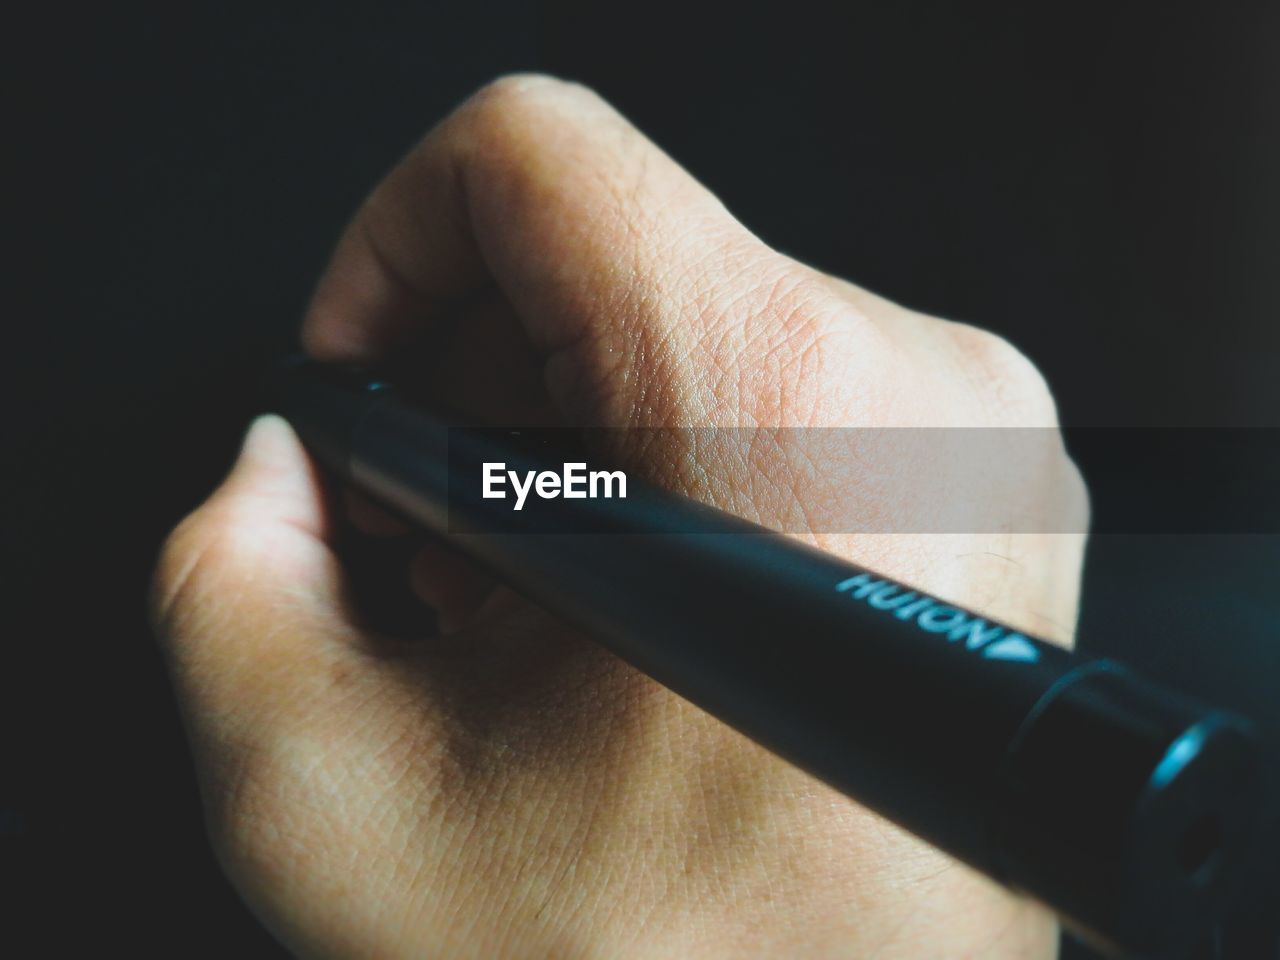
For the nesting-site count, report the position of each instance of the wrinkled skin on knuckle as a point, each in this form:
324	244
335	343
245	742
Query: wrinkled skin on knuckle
794	362
787	361
531	153
811	360
176	573
1012	392
500	121
527	92
747	346
193	598
530	144
194	590
1010	388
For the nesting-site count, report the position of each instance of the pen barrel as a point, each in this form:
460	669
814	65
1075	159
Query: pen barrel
1122	805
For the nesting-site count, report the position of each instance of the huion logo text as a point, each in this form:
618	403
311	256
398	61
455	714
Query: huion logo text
995	642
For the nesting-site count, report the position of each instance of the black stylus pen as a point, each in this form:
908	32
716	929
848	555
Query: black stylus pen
1120	804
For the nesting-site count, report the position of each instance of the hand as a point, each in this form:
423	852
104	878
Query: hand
509	789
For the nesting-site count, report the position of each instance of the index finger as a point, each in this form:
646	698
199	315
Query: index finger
534	186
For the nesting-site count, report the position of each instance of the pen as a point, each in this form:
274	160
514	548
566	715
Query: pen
1120	804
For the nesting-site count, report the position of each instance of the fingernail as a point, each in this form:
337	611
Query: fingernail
264	432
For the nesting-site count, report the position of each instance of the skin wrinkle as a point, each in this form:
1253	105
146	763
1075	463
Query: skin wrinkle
781	288
577	912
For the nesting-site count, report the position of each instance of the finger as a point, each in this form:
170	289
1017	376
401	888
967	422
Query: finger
629	276
524	174
248	597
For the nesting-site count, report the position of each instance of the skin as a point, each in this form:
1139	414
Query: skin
508	788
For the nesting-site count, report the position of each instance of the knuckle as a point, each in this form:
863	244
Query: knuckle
515	98
801	345
188	558
515	135
174	568
818	327
1012	386
794	330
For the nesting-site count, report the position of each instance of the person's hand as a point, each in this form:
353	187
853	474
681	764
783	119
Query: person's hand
510	789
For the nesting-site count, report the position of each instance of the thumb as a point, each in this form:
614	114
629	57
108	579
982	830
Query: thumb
248	600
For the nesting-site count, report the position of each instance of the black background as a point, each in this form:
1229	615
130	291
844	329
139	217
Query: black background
1096	181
